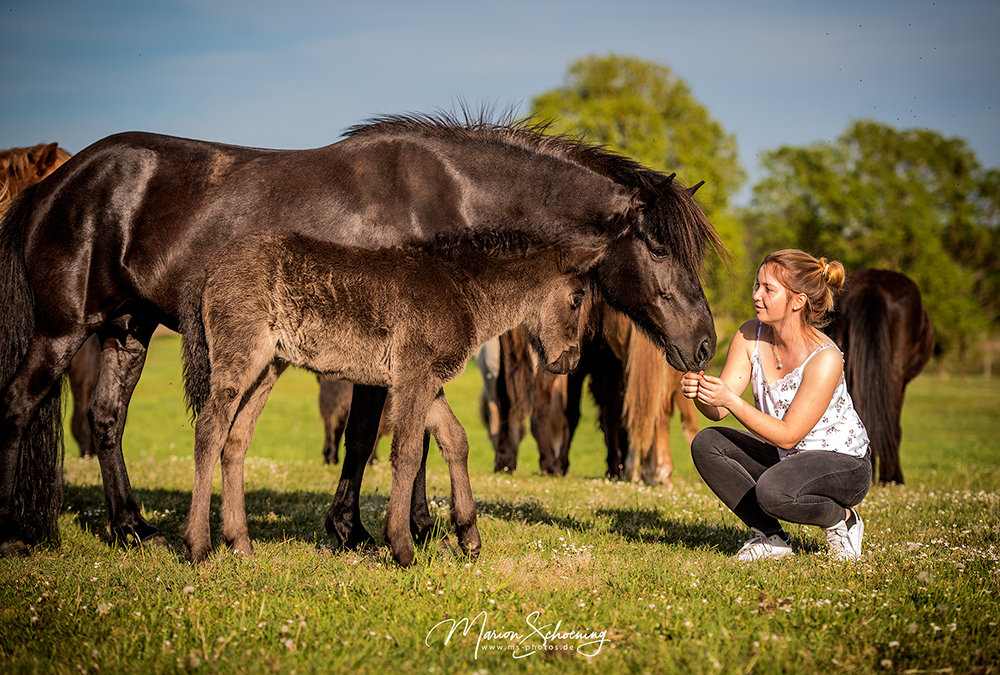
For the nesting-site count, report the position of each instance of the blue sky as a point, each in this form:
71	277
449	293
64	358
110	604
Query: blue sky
297	73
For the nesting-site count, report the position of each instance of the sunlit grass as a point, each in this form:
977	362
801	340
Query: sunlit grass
648	569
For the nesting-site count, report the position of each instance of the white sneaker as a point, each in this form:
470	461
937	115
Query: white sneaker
763	546
845	544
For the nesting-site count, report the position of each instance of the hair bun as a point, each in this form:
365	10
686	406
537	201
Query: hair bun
833	273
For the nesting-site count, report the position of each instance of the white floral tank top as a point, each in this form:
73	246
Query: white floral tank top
839	430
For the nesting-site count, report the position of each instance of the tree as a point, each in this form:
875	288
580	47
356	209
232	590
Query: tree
648	113
911	201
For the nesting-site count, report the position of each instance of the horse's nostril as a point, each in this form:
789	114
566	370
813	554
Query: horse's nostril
705	352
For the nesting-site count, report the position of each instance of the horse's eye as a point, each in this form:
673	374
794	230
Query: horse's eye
576	300
659	253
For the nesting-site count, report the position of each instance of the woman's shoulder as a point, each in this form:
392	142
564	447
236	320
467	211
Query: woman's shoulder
749	331
826	360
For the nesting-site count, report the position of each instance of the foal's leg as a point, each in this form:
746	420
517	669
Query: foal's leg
412	398
123	354
454	444
234	513
421	521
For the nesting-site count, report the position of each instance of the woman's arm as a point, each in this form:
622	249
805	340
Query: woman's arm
819	380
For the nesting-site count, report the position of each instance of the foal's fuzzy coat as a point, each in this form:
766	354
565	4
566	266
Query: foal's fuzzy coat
405	319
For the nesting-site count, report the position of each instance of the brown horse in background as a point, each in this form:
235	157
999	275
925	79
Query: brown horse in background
636	391
19	168
650	395
887	338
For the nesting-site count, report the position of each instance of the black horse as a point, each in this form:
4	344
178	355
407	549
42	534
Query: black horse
106	244
887	339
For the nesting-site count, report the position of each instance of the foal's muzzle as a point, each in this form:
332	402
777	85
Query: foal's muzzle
566	362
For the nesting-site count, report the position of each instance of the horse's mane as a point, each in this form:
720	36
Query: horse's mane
510	243
679	222
18	169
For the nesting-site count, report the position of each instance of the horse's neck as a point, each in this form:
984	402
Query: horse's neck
508	292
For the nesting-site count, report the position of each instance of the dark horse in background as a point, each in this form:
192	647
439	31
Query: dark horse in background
107	242
887	339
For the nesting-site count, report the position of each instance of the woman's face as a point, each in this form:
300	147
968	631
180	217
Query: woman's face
771	299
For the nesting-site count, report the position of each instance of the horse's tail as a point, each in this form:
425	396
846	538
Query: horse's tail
869	377
37	495
197	366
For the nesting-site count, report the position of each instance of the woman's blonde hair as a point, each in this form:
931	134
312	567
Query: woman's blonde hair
819	280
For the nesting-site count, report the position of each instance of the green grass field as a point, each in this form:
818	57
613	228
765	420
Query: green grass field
578	574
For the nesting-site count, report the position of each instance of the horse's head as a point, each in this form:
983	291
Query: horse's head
651	273
21	167
554	328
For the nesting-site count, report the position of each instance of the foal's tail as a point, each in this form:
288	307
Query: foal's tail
869	376
197	367
37	482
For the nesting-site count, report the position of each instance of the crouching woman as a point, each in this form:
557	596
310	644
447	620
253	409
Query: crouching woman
806	457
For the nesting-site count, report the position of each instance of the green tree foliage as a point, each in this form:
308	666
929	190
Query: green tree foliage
911	200
648	113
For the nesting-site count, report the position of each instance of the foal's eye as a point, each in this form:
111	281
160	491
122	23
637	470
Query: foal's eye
576	300
659	253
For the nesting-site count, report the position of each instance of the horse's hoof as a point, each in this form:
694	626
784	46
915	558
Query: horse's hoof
352	537
155	541
404	558
14	548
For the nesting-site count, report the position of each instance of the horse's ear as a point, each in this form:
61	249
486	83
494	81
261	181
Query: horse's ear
47	159
692	190
580	259
657	188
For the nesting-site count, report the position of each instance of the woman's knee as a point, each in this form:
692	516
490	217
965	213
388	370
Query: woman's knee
705	444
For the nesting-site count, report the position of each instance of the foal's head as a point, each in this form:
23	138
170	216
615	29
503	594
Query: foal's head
554	327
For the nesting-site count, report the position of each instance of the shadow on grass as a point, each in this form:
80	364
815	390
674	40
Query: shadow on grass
275	516
648	526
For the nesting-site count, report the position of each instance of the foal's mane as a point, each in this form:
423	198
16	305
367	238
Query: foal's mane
674	219
507	244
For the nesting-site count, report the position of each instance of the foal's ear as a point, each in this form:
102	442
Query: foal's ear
579	259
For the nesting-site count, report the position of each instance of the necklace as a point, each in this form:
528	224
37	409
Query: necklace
777	358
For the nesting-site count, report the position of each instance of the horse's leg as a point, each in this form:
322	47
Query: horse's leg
83	372
123	354
234	452
454	445
541	421
30	431
421	520
334	409
343	520
411	401
658	464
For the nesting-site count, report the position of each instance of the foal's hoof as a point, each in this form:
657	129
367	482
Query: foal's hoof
14	548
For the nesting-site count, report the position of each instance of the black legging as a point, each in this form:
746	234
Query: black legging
811	487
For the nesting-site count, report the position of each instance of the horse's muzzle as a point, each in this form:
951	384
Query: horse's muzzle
566	362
